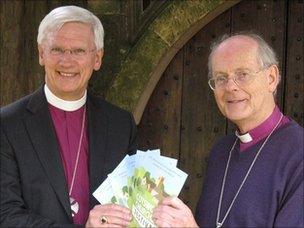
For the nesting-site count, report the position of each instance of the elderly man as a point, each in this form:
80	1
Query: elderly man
255	176
58	144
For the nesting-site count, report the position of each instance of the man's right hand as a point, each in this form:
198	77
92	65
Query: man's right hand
109	215
172	212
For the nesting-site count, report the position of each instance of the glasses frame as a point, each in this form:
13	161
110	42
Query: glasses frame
71	52
234	79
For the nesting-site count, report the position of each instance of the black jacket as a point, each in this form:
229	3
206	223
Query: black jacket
33	187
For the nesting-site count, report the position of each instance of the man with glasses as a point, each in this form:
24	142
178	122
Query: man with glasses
255	176
59	143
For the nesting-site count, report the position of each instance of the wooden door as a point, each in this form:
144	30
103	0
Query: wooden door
181	117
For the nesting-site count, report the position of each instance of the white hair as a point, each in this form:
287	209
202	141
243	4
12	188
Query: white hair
61	15
266	54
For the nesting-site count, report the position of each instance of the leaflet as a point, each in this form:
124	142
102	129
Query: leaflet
140	182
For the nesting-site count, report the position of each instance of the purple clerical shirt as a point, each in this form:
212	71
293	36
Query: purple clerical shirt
68	126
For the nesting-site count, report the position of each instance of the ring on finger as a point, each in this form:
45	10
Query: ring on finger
103	219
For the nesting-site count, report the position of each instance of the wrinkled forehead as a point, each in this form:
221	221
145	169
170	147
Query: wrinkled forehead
235	53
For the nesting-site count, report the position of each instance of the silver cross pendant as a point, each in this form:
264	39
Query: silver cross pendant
219	225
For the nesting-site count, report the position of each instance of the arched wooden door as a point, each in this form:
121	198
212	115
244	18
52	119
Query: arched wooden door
181	116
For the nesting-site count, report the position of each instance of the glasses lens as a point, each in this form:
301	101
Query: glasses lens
243	77
56	51
79	52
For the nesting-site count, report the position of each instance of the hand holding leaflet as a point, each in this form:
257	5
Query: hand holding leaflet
140	182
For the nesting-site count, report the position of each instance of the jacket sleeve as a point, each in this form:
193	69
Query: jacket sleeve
13	208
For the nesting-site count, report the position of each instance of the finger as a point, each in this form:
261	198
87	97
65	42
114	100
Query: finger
110	221
164	210
115	214
112	207
162	223
113	210
173	202
110	225
115	220
175	217
164	213
164	220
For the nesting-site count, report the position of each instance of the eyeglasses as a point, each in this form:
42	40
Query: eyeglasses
240	78
77	53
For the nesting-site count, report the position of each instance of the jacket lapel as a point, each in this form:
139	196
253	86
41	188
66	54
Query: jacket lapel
97	129
41	131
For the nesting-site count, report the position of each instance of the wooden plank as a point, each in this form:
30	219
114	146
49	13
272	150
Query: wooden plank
160	123
267	18
201	121
56	3
294	80
11	15
30	70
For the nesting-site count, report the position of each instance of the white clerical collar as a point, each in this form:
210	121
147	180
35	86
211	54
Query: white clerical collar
63	104
245	138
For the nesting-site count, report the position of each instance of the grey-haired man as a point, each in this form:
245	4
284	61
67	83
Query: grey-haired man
255	176
58	144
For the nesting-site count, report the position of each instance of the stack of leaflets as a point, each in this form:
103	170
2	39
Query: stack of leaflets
140	182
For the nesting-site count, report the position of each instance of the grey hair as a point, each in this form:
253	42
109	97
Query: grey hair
266	54
61	15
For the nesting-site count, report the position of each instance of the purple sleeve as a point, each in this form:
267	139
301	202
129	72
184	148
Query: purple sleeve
291	210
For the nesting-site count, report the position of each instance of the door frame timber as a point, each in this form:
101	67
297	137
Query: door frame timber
149	58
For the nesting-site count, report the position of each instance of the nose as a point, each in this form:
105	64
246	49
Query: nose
66	54
66	59
231	85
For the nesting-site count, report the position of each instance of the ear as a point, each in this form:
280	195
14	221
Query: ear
273	78
41	55
98	59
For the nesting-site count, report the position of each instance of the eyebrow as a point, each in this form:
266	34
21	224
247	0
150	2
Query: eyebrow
243	68
61	47
238	69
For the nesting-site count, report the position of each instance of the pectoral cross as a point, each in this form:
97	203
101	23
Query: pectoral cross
219	225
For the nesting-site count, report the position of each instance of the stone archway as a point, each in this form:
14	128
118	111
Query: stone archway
151	55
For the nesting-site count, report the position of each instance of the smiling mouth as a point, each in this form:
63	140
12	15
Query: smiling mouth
235	101
66	74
